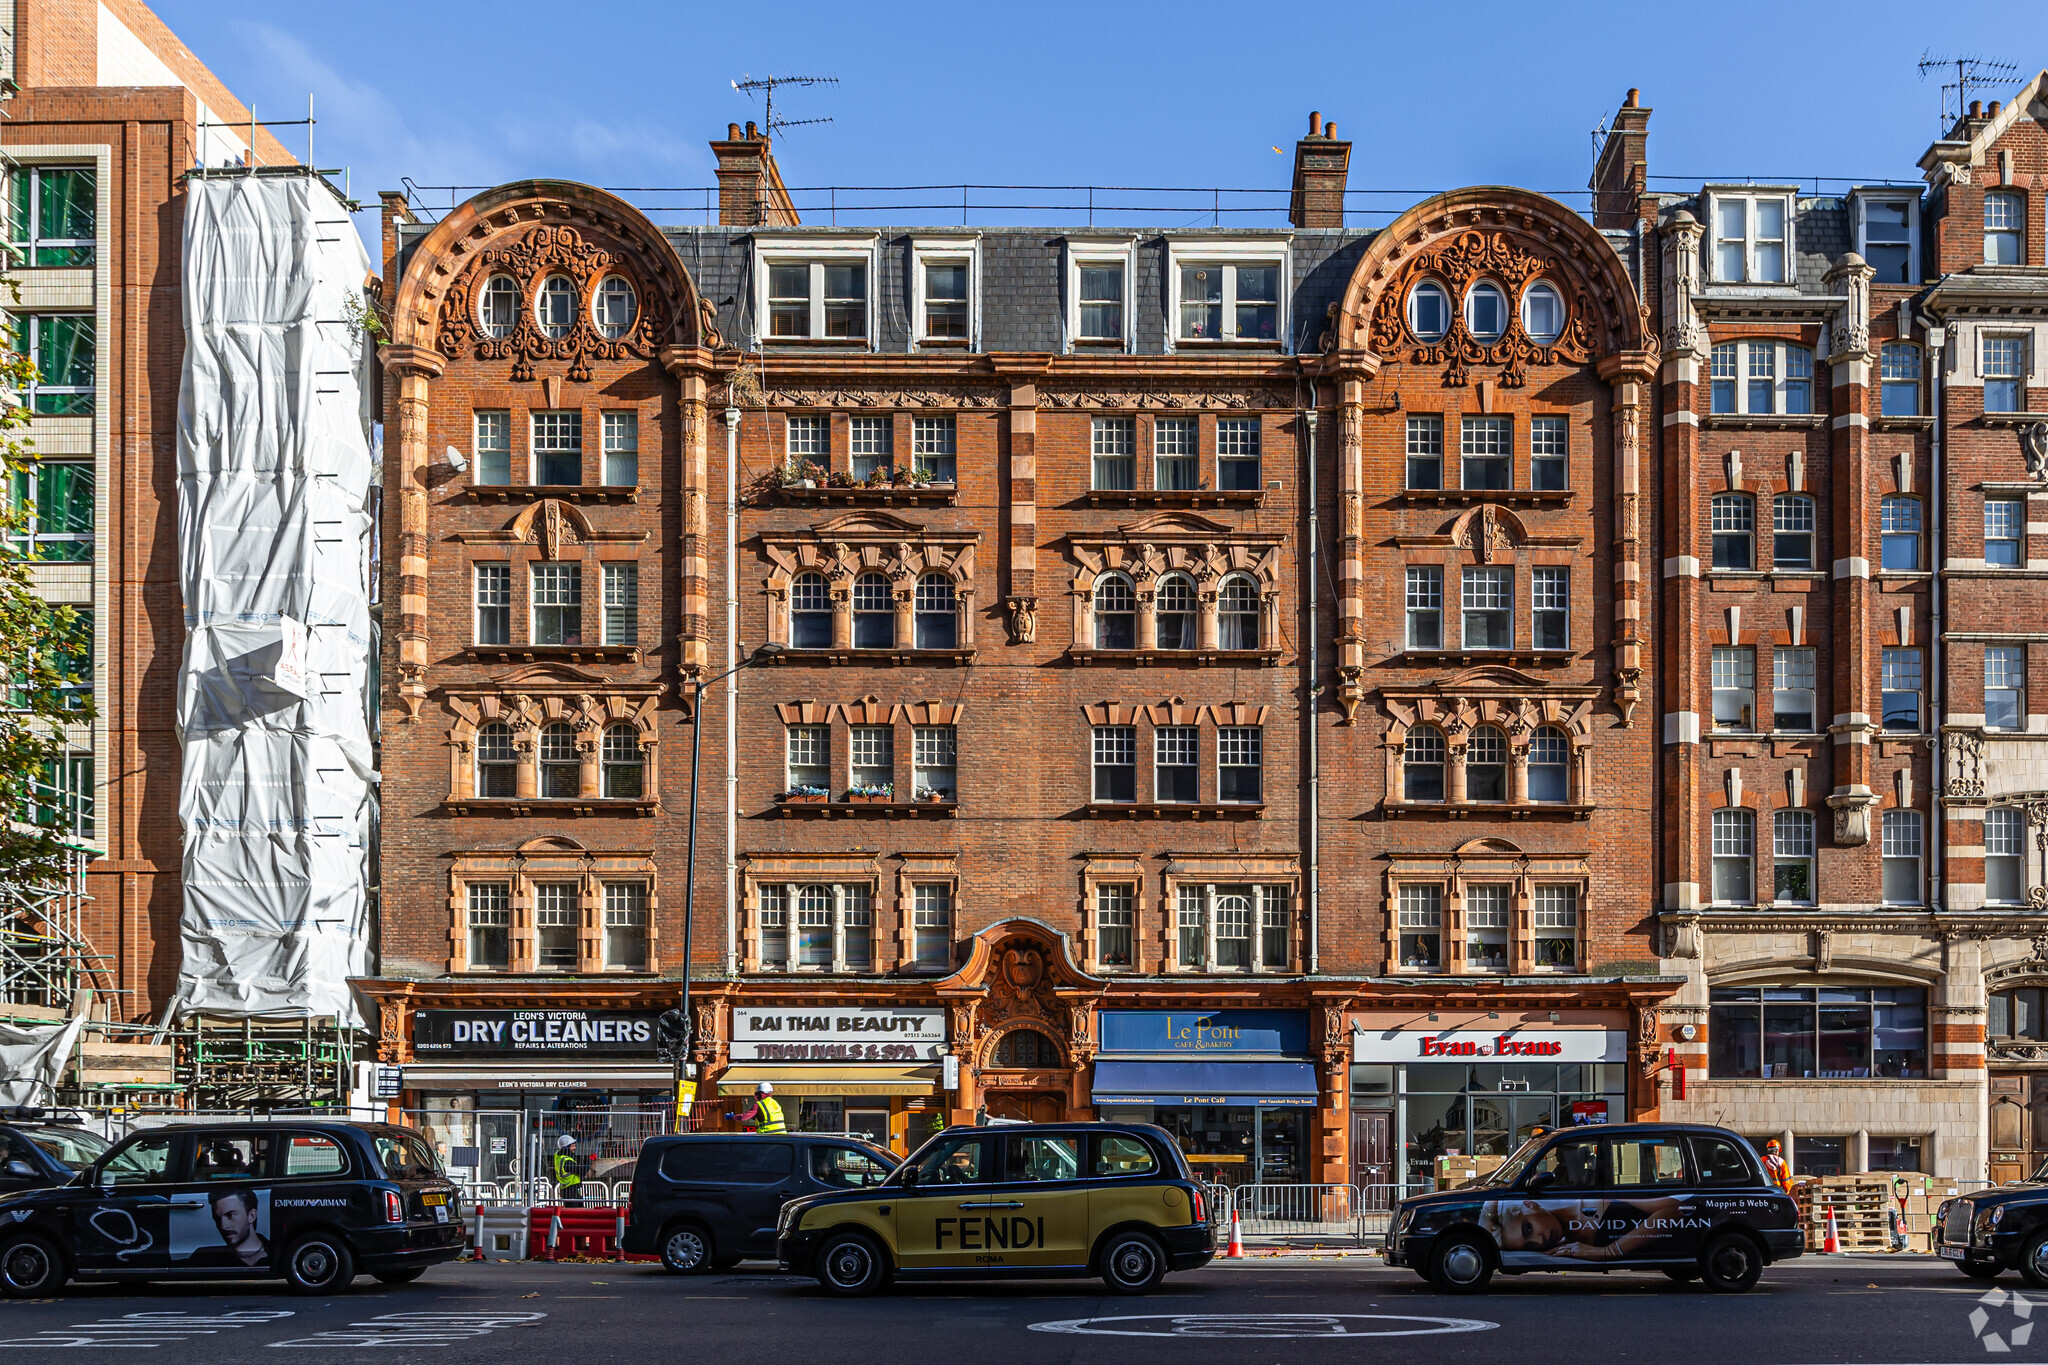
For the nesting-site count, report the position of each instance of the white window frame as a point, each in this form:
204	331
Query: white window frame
782	899
1862	200
1902	838
1195	908
2011	821
2023	376
1200	251
1752	195
815	252
1094	251
945	251
1781	378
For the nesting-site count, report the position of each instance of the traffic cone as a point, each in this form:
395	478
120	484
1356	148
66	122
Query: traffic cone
1235	1252
1831	1245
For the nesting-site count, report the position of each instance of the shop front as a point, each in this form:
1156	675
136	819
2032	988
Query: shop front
1236	1088
873	1070
1476	1084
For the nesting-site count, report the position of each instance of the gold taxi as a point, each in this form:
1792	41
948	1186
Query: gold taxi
1014	1201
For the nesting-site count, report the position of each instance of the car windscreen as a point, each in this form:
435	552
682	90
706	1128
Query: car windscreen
406	1157
73	1147
1510	1170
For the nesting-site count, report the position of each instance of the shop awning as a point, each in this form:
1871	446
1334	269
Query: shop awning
1251	1084
831	1080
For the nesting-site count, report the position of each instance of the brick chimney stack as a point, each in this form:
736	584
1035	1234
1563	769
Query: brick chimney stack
750	191
1321	166
1622	175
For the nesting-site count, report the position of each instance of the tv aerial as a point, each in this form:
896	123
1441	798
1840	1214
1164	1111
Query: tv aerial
767	84
1972	73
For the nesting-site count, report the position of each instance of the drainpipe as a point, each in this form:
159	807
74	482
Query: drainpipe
732	686
1937	499
1314	691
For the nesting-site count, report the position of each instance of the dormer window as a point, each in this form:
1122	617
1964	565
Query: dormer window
1887	239
2005	223
1752	238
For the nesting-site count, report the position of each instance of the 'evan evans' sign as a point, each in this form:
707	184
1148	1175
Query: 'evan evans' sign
533	1031
812	1034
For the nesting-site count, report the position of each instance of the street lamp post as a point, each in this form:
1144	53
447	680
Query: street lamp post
688	1030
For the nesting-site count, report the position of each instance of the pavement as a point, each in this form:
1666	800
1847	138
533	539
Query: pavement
1885	1310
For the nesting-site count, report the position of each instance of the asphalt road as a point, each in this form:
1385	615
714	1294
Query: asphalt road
1263	1312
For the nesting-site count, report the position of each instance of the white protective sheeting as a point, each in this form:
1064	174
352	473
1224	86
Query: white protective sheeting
32	1060
278	795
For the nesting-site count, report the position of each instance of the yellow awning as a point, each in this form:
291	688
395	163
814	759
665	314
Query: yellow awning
831	1080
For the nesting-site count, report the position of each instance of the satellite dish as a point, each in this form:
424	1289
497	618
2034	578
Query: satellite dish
457	461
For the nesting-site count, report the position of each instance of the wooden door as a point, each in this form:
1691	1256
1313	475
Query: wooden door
1372	1156
2011	1129
1026	1105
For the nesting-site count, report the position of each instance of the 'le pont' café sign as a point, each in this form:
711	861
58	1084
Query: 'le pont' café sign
817	1033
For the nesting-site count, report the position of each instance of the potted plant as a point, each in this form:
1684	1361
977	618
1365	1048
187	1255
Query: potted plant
871	793
878	477
900	476
812	473
802	793
933	794
919	478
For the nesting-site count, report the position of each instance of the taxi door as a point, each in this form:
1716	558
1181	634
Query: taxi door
1652	1213
121	1222
1038	1214
953	1187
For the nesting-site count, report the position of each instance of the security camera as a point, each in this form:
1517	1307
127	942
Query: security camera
457	461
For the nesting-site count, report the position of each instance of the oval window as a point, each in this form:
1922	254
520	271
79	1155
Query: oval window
555	309
616	307
1429	312
498	307
1543	314
1486	312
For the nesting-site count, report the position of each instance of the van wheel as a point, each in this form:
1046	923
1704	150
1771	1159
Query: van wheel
1132	1263
686	1250
319	1263
1463	1265
850	1266
31	1267
1731	1263
401	1276
1681	1274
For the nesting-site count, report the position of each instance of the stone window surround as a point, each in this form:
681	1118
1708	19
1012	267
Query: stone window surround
551	860
526	709
841	716
842	548
1486	862
1455	711
1151	548
1177	712
893	931
548	531
1491	536
1155	900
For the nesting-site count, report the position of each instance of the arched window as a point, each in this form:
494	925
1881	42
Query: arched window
1543	314
555	307
497	764
1549	765
1486	765
497	308
1733	521
1237	614
1233	931
1429	311
1025	1049
938	621
615	307
1116	613
1486	312
624	767
1176	612
560	764
1899	532
810	612
1422	765
1792	531
814	927
874	613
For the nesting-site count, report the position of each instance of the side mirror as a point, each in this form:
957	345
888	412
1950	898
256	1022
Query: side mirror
21	1169
909	1174
1541	1180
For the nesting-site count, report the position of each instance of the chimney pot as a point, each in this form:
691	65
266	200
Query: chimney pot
752	131
1634	100
1976	108
1315	123
1992	112
1329	130
732	132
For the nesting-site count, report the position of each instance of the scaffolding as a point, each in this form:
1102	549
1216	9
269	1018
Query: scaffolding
248	1064
44	958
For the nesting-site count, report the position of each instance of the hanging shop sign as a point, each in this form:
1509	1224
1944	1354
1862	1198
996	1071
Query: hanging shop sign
1188	1033
1491	1045
837	1034
533	1032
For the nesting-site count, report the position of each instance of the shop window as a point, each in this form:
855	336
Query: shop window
1026	1049
1115	445
874	613
1425	606
1176	763
1425	452
2005	853
1819	1156
1486	453
497	762
1734	678
561	765
1899	689
1115	926
2005	532
934	448
933	758
872	749
1901	841
1549	765
625	926
1792	857
872	441
1792	689
932	925
623	766
1237	613
1237	453
937	616
1732	517
1486	764
1734	844
1421	910
1176	462
1422	765
489	926
1792	531
1116	613
1899	537
1557	928
557	604
622	605
1116	763
1486	928
1239	764
1175	612
2005	687
554	926
1899	379
1894	1153
810	612
1827	1032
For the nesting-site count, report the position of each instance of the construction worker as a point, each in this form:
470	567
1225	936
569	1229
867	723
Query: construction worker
766	1113
568	1172
1776	1170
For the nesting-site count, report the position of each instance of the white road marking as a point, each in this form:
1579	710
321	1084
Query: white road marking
414	1329
1265	1325
133	1330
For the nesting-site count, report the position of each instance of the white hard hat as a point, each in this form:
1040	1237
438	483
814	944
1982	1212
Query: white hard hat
566	1140
765	1088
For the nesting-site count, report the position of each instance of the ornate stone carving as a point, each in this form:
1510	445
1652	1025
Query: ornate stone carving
1023	619
1852	817
2034	445
975	396
1215	399
1458	261
1965	755
530	258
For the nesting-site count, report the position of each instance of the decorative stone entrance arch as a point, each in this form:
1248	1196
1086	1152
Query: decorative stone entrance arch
1023	1025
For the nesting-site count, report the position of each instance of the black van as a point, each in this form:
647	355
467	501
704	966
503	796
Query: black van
706	1201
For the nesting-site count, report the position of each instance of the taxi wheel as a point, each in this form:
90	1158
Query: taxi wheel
30	1268
406	1276
2034	1261
851	1266
319	1263
686	1250
1463	1265
1681	1274
1133	1263
1731	1263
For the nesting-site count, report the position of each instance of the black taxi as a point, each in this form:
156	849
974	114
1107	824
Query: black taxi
1688	1200
313	1202
1016	1201
1999	1229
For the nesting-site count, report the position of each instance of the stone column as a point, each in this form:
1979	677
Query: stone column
1350	547
1857	703
693	643
1022	597
414	367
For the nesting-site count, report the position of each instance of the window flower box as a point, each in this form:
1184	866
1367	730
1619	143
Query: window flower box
804	794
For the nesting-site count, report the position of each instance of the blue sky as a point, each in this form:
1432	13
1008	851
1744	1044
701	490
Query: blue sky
628	92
